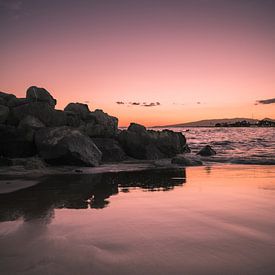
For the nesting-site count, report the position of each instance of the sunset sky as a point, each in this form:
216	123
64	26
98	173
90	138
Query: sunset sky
152	62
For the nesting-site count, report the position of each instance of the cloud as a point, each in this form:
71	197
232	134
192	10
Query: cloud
266	101
152	104
143	104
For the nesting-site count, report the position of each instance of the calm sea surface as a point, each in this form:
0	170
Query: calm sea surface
199	220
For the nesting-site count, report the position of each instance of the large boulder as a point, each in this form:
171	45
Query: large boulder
15	102
4	113
73	119
40	110
207	151
100	124
30	122
78	108
16	142
65	145
5	97
141	144
168	142
110	148
134	127
37	94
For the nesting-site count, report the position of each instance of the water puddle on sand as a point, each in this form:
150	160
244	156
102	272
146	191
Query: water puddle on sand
198	220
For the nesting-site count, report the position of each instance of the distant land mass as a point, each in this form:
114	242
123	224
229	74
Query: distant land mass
212	122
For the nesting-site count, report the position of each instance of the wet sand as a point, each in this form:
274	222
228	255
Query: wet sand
198	220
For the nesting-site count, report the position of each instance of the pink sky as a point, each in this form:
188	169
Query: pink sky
174	56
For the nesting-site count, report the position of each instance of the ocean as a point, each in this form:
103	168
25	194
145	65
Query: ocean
253	145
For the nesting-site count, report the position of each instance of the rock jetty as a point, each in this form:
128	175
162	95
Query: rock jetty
31	126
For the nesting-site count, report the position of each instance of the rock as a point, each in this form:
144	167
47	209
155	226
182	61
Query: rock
168	142
78	108
34	164
141	144
30	122
73	119
110	148
134	127
4	113
207	151
65	145
100	124
2	101
36	94
5	97
183	160
15	102
186	149
40	110
16	142
5	161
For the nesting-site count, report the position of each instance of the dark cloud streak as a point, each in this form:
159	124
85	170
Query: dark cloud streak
266	101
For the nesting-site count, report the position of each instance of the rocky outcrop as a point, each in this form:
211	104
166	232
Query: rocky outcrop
207	151
5	97
110	148
65	145
78	108
30	122
16	142
36	94
100	124
40	110
142	144
75	136
4	113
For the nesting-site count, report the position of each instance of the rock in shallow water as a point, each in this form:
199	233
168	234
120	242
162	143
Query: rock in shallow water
207	151
186	161
65	145
142	144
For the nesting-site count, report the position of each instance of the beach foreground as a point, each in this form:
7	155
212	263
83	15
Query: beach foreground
198	220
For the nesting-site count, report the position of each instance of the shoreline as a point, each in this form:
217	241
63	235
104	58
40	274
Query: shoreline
17	177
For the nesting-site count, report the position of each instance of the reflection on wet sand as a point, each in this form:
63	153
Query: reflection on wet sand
81	191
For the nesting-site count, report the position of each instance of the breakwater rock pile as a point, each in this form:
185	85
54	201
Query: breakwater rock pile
31	126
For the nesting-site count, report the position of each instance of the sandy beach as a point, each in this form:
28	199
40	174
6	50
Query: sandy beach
199	220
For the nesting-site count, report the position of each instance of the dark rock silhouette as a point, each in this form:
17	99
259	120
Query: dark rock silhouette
16	142
32	125
142	144
110	148
100	124
4	113
36	94
78	108
185	161
30	122
207	151
64	145
41	110
134	127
